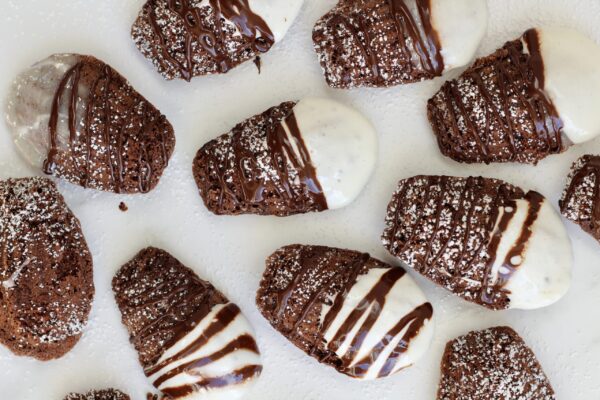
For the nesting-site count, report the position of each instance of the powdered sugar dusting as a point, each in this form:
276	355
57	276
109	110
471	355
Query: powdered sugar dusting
42	251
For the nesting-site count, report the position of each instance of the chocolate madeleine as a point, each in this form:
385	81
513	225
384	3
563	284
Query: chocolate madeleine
494	363
580	201
46	279
357	314
534	97
294	158
192	342
482	239
107	394
76	118
186	38
383	43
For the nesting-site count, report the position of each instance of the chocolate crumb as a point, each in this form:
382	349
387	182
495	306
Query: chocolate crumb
123	207
258	64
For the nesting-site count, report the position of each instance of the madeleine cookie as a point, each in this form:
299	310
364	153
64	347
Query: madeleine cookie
313	155
46	279
192	342
185	38
534	97
76	118
494	364
383	43
484	240
357	314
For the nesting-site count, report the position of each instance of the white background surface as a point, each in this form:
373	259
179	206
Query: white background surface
230	251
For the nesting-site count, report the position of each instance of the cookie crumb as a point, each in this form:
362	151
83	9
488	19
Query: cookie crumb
123	207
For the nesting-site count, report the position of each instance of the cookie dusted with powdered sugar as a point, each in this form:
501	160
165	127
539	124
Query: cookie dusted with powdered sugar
485	240
383	43
494	363
188	38
107	394
534	97
580	201
357	314
46	279
313	155
76	118
192	342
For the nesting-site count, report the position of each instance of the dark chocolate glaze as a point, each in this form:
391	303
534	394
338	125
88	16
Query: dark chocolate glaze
99	104
277	180
519	74
326	276
469	237
250	25
590	220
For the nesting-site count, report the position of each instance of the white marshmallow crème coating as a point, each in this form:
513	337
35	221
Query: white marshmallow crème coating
460	25
279	15
342	145
572	80
542	273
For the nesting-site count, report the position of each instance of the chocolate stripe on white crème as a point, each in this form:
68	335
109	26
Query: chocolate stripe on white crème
357	326
354	327
218	353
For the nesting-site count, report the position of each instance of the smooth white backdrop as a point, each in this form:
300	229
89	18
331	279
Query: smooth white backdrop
230	252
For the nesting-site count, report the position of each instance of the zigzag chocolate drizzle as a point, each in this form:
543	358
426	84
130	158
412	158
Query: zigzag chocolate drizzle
190	360
376	300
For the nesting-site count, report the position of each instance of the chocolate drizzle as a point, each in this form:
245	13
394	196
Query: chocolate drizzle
165	370
515	255
417	42
321	277
263	166
498	111
73	74
581	201
97	126
212	40
454	234
373	303
283	149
